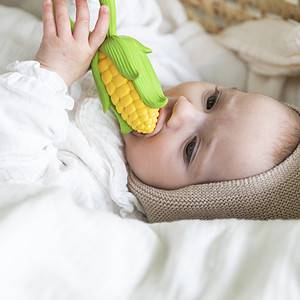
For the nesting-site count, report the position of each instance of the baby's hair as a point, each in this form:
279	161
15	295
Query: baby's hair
289	138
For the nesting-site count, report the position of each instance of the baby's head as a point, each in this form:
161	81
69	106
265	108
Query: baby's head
208	134
217	153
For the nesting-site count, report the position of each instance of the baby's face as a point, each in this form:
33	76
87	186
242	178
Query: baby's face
206	135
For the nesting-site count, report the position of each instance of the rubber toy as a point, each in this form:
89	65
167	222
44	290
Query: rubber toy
126	81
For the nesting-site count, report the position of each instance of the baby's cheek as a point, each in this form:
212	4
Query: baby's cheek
142	159
135	153
130	154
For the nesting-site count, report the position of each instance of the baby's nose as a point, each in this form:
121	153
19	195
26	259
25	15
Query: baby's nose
183	113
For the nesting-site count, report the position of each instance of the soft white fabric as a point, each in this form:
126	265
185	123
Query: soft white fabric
52	159
52	249
40	145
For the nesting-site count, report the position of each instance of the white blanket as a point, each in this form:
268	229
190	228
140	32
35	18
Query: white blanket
53	248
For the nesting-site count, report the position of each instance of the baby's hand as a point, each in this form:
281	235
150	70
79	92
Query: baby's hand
66	53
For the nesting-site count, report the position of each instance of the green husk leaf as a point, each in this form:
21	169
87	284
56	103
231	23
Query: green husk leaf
112	30
130	58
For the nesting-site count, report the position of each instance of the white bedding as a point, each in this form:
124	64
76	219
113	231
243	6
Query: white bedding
53	248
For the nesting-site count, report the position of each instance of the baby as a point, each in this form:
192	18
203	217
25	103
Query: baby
208	133
204	134
218	153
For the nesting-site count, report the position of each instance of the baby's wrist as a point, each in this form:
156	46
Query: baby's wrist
68	81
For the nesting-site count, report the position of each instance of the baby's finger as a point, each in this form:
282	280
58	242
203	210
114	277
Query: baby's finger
99	33
82	25
62	18
48	19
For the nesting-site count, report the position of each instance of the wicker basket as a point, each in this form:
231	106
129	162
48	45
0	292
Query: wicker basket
215	15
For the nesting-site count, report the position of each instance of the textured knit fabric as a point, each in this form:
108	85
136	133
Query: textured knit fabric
274	194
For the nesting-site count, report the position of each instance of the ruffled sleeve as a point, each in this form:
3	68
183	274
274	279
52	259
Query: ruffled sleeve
33	120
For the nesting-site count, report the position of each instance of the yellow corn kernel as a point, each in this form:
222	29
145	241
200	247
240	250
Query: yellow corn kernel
110	88
144	118
142	111
129	110
124	114
119	80
126	99
134	116
102	55
113	70
136	123
135	95
123	90
115	99
139	104
107	77
103	65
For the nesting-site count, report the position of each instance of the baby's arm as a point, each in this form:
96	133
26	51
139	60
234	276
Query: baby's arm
33	95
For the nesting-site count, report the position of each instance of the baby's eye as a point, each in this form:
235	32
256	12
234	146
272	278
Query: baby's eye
211	100
189	149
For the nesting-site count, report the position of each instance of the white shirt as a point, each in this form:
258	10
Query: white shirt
42	147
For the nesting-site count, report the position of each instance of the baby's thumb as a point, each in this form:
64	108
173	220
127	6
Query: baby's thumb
98	35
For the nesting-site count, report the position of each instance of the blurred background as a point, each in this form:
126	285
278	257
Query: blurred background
253	45
33	6
228	11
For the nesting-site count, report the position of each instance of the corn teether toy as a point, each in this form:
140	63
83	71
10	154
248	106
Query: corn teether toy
126	80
